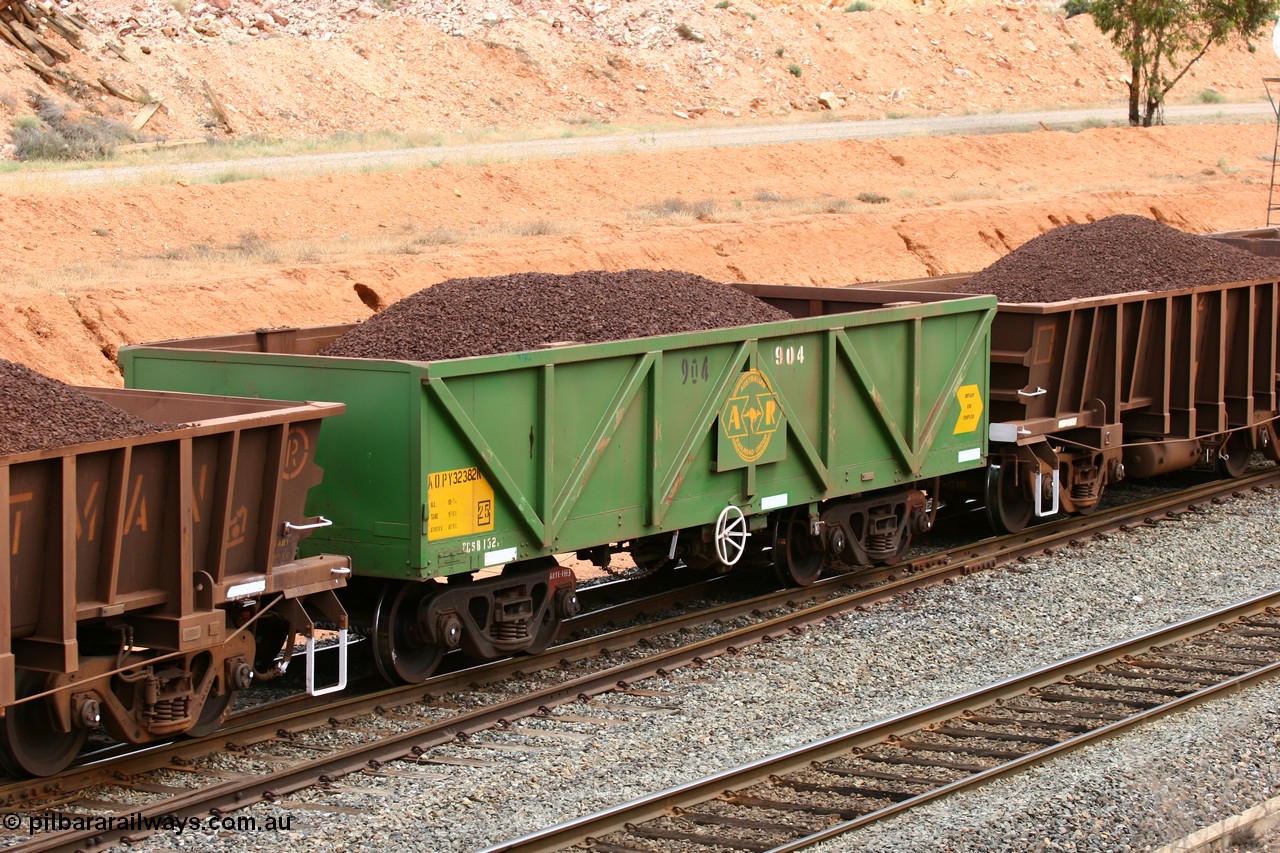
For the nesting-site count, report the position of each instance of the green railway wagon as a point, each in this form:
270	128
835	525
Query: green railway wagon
801	441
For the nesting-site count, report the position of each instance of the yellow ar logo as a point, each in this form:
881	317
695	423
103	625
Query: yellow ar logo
751	415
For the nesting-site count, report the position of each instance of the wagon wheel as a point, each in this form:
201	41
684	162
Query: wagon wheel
731	535
1009	510
798	555
29	743
401	650
214	710
212	714
904	545
1233	458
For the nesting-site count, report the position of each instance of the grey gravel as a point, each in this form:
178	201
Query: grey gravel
1134	792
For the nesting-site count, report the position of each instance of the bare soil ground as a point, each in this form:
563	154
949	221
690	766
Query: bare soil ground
89	270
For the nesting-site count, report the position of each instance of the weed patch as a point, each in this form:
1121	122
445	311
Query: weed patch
55	134
538	228
230	177
975	193
678	207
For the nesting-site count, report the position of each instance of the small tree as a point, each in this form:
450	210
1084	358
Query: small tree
1157	35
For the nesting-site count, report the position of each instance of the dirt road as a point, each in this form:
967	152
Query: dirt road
654	142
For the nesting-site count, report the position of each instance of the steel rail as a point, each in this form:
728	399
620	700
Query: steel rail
856	590
597	618
238	793
927	570
300	711
667	802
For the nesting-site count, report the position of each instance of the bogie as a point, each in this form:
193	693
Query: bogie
412	624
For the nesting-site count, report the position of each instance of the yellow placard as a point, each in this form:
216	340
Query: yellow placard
970	397
459	503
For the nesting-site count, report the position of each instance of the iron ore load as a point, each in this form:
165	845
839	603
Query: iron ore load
148	558
1122	348
726	424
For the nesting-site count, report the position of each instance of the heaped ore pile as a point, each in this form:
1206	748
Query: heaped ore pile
39	413
481	316
1118	254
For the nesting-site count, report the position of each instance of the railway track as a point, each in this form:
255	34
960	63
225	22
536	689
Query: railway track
405	734
823	790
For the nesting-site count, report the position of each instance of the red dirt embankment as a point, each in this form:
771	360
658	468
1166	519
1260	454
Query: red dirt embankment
92	270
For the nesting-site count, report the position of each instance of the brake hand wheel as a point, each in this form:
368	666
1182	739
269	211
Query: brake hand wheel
731	535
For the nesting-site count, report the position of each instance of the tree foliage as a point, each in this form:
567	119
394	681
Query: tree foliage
1162	39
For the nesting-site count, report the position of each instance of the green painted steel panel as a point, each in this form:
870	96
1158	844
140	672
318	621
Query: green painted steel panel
452	466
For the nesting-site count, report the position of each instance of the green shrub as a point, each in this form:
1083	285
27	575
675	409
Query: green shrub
676	206
859	6
439	236
538	228
230	177
1209	96
1077	7
796	70
53	134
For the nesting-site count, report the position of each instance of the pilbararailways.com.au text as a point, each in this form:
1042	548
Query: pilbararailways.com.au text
37	824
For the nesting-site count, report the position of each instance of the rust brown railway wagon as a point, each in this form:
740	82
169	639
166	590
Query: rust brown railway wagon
148	577
1088	391
1259	241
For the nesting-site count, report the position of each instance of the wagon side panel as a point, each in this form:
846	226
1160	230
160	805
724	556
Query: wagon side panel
592	450
107	530
484	461
370	457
